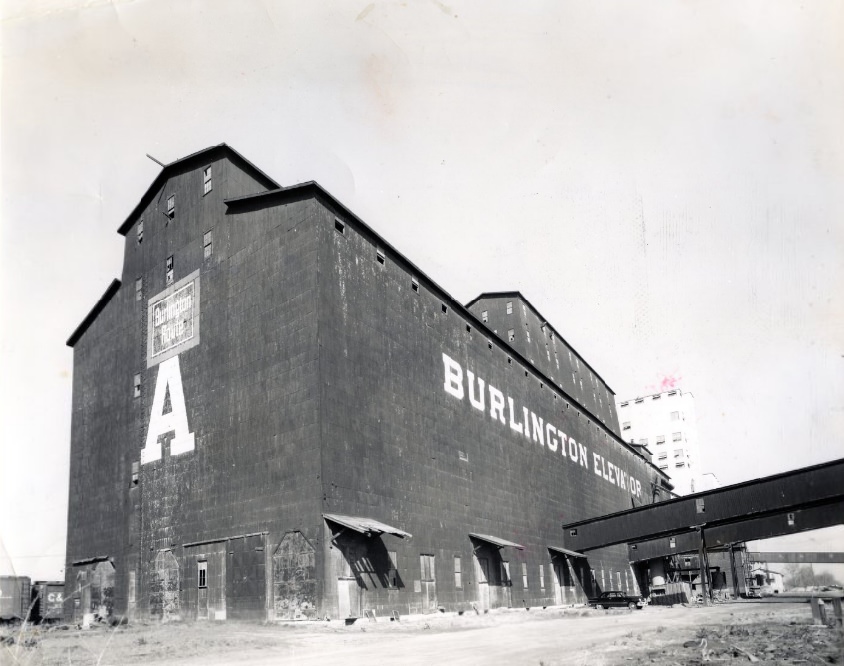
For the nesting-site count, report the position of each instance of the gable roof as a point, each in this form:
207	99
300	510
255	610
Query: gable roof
220	150
94	313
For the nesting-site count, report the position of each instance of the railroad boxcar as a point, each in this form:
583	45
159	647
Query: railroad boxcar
47	600
14	598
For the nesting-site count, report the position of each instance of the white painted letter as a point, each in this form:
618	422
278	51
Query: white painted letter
552	441
596	457
572	449
453	383
584	457
496	403
176	420
477	404
515	425
537	428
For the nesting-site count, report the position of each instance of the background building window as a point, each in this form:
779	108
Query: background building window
677	436
625	425
675	416
660	439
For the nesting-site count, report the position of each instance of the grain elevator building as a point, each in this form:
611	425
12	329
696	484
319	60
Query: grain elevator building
276	415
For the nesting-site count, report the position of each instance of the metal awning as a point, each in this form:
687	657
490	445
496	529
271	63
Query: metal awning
366	526
496	541
566	551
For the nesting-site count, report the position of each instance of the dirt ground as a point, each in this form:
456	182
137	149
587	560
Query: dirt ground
742	632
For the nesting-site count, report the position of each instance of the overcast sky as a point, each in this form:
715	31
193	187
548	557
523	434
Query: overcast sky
663	180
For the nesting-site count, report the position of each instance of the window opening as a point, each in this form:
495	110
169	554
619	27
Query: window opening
206	180
485	316
137	386
428	570
207	247
141	231
171	206
139	289
509	307
458	573
511	335
524	575
444	308
169	270
392	570
414	284
541	576
379	255
202	574
339	226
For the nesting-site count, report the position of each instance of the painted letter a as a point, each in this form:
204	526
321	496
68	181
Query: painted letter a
176	420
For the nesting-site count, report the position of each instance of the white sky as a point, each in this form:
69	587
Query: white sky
663	180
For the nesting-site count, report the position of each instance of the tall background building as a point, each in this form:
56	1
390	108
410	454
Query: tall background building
665	424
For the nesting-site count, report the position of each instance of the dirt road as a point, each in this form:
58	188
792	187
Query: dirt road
551	637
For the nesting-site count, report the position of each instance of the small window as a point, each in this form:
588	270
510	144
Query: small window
678	453
511	335
168	275
505	572
677	437
509	360
509	307
663	455
136	470
202	574
489	344
137	386
379	256
171	206
541	576
675	416
339	226
207	244
458	573
141	231
656	397
485	316
206	179
643	441
639	401
139	289
625	425
663	466
468	328
680	464
524	575
414	284
444	308
624	404
660	439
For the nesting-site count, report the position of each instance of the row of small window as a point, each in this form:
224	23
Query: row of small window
207	250
660	439
654	397
170	211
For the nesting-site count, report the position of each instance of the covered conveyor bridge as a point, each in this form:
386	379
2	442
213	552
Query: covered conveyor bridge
810	487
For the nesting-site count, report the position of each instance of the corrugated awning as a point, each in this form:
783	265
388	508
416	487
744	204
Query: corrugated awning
366	526
566	551
496	541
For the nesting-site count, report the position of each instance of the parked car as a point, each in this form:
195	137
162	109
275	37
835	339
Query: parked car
616	599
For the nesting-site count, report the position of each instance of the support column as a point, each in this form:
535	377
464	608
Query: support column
704	573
